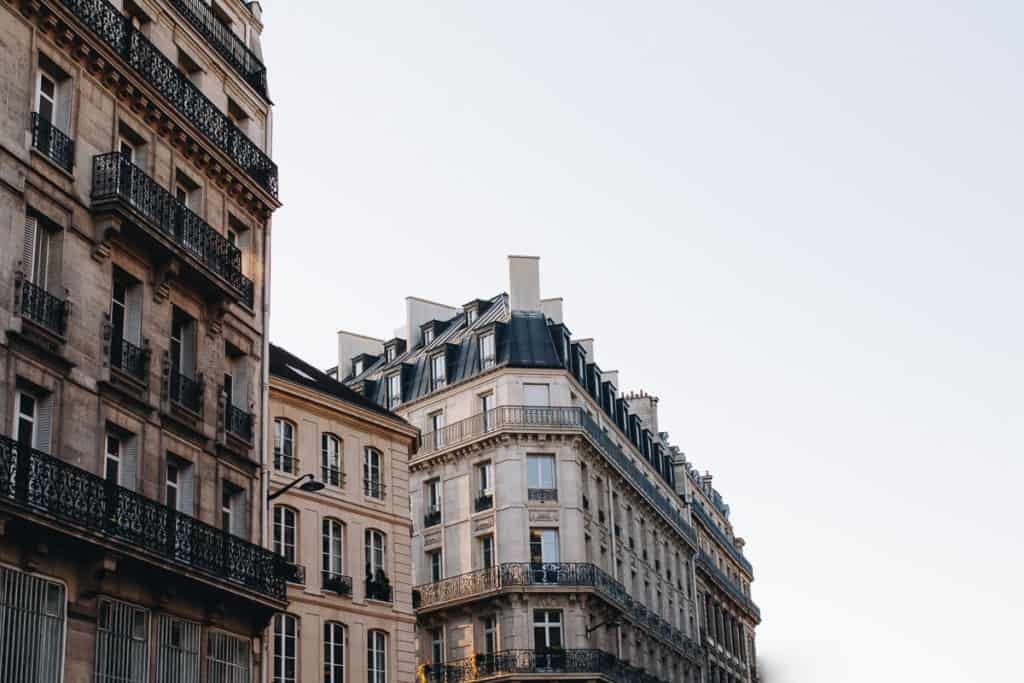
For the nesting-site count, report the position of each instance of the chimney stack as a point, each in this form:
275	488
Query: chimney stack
524	283
646	408
552	309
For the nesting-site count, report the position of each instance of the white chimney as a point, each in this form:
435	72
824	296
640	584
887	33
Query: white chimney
419	311
645	407
350	345
552	308
611	376
524	283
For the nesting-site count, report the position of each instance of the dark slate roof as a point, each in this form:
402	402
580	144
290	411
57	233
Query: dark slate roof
292	368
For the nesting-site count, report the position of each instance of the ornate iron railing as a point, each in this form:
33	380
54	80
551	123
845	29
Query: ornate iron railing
116	31
485	501
542	661
374	489
129	358
332	475
564	417
186	392
296	573
45	485
337	583
545	495
115	177
52	142
248	293
722	539
238	422
43	308
378	589
551	574
725	582
432	518
225	42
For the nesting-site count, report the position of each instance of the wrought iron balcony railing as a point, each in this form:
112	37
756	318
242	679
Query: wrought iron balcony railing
544	495
296	573
516	575
47	486
43	308
485	501
225	42
285	461
332	476
238	422
52	142
186	392
722	539
130	359
374	489
722	579
337	583
587	662
116	31
114	177
432	518
568	418
378	589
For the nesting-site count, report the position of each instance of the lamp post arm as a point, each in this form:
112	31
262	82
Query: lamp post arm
275	494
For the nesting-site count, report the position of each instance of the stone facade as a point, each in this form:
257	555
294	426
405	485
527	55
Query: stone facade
133	310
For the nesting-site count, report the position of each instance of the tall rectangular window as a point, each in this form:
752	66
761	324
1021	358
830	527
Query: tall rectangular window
284	446
434	561
373	473
377	657
437	428
436	646
330	459
286	633
177	650
122	643
438	372
284	532
33	420
484	478
227	658
547	630
490	628
334	652
540	472
488	358
543	546
487	410
394	386
33	612
487	551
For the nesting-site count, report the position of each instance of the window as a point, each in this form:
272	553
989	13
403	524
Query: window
35	256
126	324
438	372
540	472
484	479
376	555
34	619
394	387
284	444
536	395
46	97
122	643
433	502
334	652
487	356
330	459
33	420
434	561
177	650
487	551
543	546
357	369
184	389
547	632
390	353
437	428
285	644
428	336
471	316
376	657
333	548
490	627
120	458
373	483
284	532
436	646
227	658
172	485
487	409
233	514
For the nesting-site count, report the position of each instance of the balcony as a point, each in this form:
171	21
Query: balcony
378	588
582	664
127	358
332	476
707	563
337	583
52	143
41	308
432	518
74	500
119	184
115	30
485	501
542	495
572	419
225	42
724	541
374	489
516	576
186	392
296	573
238	422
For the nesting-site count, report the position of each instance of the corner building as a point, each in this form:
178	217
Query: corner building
350	614
549	540
136	189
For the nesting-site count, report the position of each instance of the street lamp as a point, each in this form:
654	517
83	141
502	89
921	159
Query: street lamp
591	629
310	486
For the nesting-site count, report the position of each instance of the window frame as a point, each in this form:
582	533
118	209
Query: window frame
328	527
373	474
281	426
279	533
377	656
280	638
332	476
331	666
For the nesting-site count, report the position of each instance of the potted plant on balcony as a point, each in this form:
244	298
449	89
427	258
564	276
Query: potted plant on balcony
554	657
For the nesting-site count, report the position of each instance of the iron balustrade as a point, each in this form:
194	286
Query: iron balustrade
592	662
225	42
337	583
432	518
374	489
296	573
130	359
43	308
52	142
332	476
550	574
186	392
563	417
722	539
724	581
248	291
115	30
50	487
285	462
485	501
115	177
378	589
238	422
543	495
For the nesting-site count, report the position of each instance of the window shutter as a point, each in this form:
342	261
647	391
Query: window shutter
128	462
241	516
188	350
28	251
63	117
133	315
186	488
240	379
44	423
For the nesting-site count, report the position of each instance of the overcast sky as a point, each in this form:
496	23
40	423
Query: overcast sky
798	225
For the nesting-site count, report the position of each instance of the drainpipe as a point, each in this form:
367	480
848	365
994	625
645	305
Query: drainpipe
264	429
611	523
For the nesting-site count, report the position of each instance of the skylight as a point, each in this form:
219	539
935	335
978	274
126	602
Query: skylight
301	373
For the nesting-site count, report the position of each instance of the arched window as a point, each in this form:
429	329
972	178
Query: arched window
286	632
284	532
284	446
333	545
373	470
376	553
330	459
334	652
377	657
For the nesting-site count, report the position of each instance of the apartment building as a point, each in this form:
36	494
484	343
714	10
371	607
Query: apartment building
549	539
339	512
136	189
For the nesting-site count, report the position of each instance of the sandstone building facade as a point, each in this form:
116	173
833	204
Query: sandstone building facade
136	189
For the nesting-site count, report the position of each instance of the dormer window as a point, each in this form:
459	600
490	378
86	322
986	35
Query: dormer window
390	353
438	372
487	355
357	369
471	316
428	336
394	387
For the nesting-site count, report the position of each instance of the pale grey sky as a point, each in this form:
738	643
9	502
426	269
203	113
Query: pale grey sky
798	223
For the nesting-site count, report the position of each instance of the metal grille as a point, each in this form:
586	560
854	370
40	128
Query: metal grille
32	618
177	650
52	142
43	308
240	57
122	643
227	658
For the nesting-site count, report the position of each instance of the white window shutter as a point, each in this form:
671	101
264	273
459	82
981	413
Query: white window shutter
133	315
44	423
129	458
28	250
241	515
186	488
188	350
63	117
